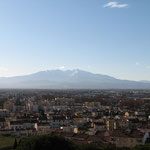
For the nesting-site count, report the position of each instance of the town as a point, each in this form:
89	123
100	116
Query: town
102	117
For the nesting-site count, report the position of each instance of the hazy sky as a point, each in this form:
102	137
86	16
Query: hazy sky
101	36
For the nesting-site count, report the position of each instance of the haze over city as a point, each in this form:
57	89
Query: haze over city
100	36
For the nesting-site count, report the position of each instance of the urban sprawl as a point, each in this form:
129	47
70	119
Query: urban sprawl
103	117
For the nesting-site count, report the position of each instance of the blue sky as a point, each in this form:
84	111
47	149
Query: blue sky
101	36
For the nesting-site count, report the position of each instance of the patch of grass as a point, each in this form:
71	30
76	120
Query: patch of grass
6	141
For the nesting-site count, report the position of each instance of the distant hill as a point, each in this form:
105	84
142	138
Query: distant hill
145	81
70	79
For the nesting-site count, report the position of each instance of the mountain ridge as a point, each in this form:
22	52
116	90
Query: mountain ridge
69	79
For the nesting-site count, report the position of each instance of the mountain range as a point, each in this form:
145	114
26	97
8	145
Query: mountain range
70	79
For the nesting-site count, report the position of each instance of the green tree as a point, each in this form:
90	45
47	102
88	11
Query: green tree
47	142
15	144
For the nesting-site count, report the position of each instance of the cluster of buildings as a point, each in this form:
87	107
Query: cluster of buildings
118	123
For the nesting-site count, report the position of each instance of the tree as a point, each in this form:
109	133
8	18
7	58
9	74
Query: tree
15	144
46	142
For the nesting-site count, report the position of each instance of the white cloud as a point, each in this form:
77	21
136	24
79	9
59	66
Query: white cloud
62	67
3	69
115	5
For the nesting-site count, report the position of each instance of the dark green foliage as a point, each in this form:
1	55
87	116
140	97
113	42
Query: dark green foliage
19	142
90	147
15	144
142	147
124	148
47	142
53	142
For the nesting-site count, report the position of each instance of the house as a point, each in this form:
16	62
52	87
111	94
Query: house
123	123
128	139
2	123
111	125
91	131
99	126
95	140
14	125
104	135
59	121
42	126
23	124
4	113
70	129
80	137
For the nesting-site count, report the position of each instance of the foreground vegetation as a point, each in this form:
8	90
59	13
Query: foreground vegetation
53	142
6	141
